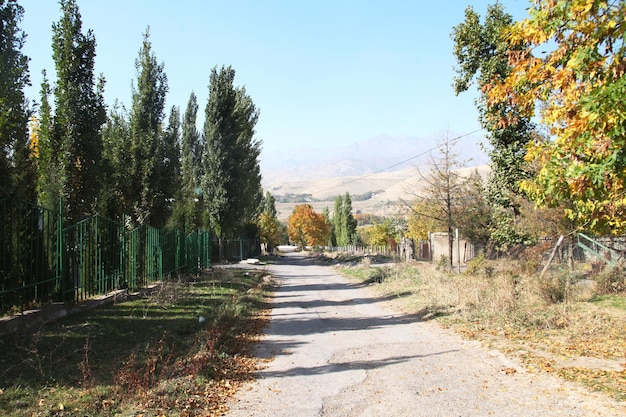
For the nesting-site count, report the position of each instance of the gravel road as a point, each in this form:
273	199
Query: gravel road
337	350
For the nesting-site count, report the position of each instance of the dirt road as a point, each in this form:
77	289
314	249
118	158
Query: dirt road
337	351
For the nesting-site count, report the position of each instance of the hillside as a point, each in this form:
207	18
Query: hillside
387	190
383	166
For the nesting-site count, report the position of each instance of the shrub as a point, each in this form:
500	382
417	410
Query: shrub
366	262
611	281
379	274
480	265
557	288
552	291
443	264
475	265
532	258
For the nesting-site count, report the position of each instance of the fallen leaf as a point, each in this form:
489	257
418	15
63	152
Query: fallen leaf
509	371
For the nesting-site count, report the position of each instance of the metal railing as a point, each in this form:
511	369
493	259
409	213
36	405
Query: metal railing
609	252
43	261
364	250
30	254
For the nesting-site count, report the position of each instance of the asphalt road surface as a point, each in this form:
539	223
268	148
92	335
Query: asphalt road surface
336	350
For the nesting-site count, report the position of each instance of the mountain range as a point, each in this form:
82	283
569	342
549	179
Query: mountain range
383	168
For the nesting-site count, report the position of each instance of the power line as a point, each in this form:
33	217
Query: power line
397	164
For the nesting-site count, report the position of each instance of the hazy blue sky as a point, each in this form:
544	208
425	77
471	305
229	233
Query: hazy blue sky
323	73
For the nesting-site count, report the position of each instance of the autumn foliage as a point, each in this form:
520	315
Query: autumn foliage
571	74
269	229
306	227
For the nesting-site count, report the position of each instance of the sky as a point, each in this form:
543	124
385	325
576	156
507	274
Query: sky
324	74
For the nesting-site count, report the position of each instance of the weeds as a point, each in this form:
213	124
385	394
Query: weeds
87	376
612	281
502	304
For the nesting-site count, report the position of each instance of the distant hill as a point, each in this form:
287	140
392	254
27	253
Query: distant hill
388	153
318	177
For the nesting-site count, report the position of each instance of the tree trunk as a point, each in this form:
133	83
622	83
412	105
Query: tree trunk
450	247
220	241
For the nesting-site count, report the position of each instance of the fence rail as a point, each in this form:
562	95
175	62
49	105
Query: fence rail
43	261
364	250
610	251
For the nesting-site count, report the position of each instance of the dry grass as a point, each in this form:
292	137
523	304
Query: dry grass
560	324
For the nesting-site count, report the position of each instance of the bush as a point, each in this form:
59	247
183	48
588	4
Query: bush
553	290
532	258
443	264
475	265
379	274
480	265
611	281
558	288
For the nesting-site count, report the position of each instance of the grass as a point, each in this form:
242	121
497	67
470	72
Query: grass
179	350
611	300
559	324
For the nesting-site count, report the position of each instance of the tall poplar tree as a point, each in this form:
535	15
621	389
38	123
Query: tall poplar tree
231	182
336	223
349	222
189	202
79	112
343	222
49	176
146	118
268	205
168	166
16	169
117	164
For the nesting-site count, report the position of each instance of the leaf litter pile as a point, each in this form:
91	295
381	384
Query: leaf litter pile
182	349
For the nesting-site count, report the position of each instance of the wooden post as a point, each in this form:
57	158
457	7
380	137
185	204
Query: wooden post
458	250
556	247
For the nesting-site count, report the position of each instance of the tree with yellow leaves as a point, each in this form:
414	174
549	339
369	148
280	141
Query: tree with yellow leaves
381	233
572	71
306	227
270	228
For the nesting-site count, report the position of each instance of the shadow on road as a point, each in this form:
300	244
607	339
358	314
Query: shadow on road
314	303
348	365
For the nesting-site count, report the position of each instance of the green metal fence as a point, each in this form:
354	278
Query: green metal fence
41	261
240	249
93	258
30	254
198	255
